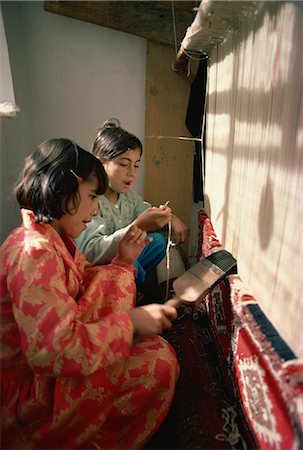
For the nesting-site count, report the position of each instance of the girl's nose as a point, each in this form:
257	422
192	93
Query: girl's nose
131	170
94	212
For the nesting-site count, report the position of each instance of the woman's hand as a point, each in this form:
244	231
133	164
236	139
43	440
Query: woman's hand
132	244
180	230
152	319
153	218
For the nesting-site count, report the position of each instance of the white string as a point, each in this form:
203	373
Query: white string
230	426
181	138
191	54
169	244
174	25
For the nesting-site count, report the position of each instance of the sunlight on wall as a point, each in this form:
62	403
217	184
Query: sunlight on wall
261	135
222	122
254	159
225	76
274	56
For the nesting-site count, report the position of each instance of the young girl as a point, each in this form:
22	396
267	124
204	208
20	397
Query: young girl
80	366
120	206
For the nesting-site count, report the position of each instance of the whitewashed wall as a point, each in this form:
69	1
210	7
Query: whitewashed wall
69	76
254	159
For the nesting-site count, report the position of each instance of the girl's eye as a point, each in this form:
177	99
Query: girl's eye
137	166
123	165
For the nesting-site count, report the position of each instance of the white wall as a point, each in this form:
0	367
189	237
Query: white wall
69	77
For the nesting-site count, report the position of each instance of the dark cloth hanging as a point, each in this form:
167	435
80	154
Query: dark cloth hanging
195	117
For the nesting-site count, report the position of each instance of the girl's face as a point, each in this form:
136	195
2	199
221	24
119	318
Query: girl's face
73	224
122	171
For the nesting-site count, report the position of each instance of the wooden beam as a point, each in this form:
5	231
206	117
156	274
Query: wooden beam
153	20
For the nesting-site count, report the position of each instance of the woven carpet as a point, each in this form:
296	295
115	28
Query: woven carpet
205	413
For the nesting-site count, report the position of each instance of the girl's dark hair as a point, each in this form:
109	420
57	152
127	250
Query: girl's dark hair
47	184
111	140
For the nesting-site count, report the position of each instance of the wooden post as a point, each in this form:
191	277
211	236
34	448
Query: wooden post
168	162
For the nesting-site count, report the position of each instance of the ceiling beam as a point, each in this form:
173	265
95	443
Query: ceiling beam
153	20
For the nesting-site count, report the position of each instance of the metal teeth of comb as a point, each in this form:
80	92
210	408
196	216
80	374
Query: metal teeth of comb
195	283
224	260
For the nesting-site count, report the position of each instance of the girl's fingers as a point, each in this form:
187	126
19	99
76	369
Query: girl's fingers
139	237
170	311
165	205
134	232
165	323
131	232
174	302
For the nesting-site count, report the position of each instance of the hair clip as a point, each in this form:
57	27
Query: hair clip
79	179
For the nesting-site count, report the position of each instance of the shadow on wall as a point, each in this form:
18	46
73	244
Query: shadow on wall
271	115
207	206
266	215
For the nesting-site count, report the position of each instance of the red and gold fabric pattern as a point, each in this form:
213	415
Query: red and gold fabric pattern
73	375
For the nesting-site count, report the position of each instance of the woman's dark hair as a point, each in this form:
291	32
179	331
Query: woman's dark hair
111	140
48	183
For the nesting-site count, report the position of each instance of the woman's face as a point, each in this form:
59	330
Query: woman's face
122	170
73	224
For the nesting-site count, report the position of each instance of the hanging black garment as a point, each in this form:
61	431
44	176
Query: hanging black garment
195	120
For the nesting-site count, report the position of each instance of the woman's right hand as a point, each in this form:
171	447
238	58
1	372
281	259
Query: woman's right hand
152	319
153	218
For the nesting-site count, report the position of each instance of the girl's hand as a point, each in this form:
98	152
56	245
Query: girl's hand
175	302
152	319
153	218
180	230
132	244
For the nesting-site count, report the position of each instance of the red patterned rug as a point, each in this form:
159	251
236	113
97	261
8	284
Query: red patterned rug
205	413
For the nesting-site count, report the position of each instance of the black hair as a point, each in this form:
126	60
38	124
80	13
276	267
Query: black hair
48	183
111	140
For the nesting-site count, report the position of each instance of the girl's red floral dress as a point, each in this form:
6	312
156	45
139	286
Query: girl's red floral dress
72	373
